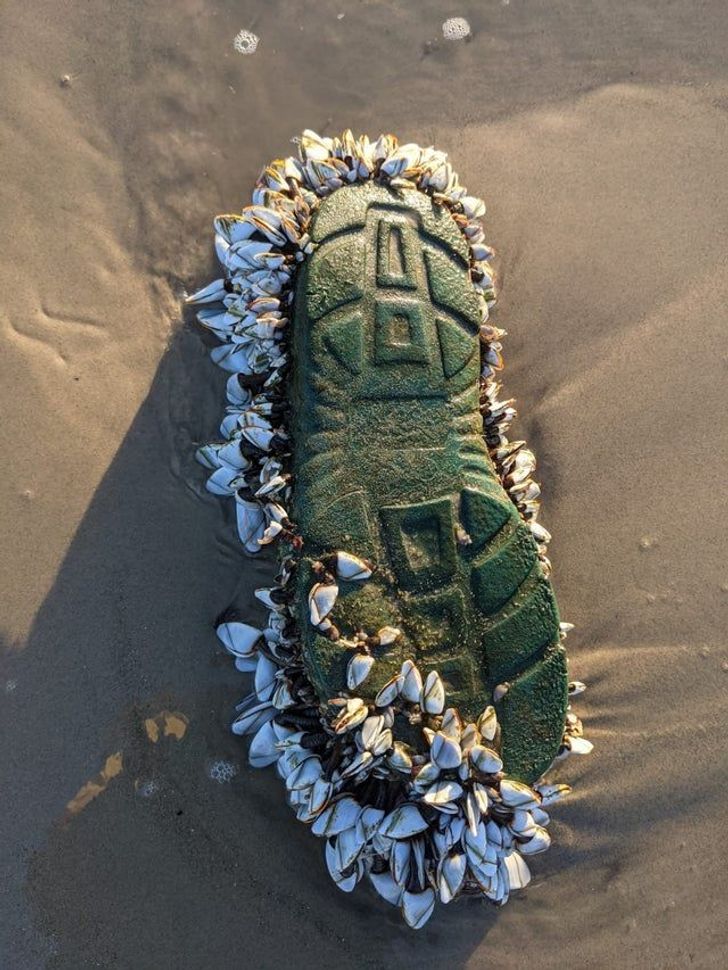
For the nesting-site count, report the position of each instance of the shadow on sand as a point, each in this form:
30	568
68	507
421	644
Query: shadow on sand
148	841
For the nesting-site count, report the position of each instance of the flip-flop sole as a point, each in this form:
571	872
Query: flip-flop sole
409	683
390	464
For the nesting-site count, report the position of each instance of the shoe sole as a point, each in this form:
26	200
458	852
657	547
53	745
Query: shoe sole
390	464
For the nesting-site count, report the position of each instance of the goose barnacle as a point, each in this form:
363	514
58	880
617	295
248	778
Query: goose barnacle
351	568
417	907
389	691
517	795
485	760
433	694
354	713
238	638
321	601
358	669
412	682
445	751
339	814
403	822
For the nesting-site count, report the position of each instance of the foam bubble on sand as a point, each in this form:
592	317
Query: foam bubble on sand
147	788
456	28
246	42
222	771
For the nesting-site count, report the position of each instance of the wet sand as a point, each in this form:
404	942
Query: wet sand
133	834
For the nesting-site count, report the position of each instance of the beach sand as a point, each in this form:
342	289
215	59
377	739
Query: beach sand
133	833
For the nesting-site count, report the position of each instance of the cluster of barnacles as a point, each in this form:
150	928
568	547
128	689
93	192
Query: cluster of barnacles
420	823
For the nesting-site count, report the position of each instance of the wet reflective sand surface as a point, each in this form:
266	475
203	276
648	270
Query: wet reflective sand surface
133	832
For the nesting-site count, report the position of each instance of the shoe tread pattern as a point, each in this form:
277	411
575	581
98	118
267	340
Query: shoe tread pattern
390	464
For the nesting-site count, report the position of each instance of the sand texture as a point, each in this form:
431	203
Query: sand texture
133	834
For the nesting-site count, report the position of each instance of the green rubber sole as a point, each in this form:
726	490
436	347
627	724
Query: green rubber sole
390	464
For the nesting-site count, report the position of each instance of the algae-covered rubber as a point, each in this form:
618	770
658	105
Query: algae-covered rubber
389	463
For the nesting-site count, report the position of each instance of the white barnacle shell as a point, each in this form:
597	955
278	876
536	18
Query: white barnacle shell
239	639
320	795
358	669
360	762
346	883
282	697
321	601
375	736
442	792
445	751
419	851
354	714
338	815
352	568
412	685
485	760
476	845
272	530
499	692
349	844
473	207
488	723
452	724
539	841
370	730
292	755
264	596
225	480
386	886
400	758
540	817
214	292
404	822
251	523
389	691
469	737
522	824
387	635
428	774
519	874
433	694
517	795
258	436
383	742
209	455
314	146
265	678
576	687
232	358
540	534
370	819
455	829
480	793
450	875
552	793
253	718
400	860
578	745
472	811
308	772
495	833
263	748
417	907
